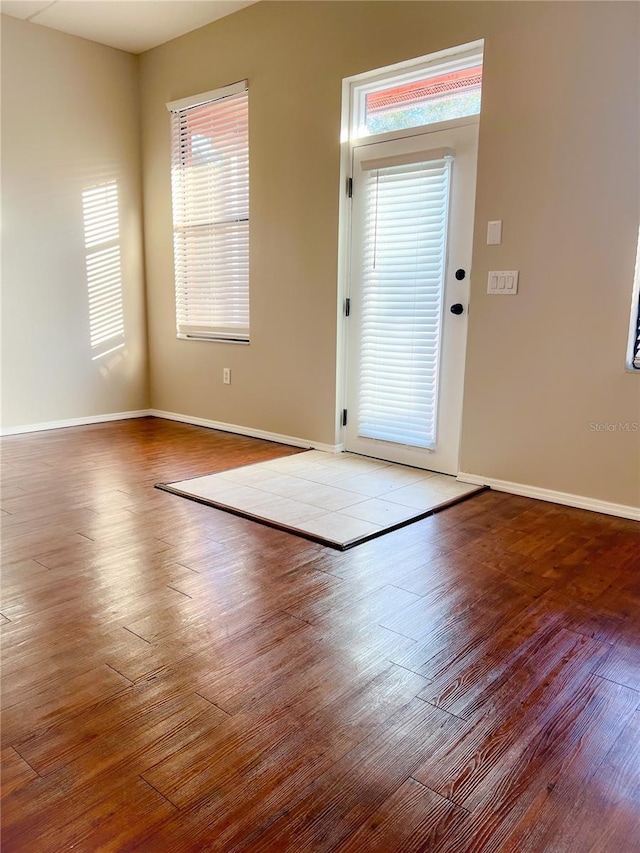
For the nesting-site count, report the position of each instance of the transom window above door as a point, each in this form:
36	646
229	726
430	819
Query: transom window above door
444	88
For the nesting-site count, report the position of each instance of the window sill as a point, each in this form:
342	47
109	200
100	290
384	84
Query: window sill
213	339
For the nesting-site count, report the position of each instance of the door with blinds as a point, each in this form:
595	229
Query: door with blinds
412	226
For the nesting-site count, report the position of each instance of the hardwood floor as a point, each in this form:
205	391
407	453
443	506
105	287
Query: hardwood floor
176	678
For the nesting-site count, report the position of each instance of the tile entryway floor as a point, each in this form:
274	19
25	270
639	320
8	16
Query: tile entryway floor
339	499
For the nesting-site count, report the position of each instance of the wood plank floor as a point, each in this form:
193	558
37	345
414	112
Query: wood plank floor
176	678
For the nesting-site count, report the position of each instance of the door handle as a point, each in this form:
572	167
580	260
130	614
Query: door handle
457	308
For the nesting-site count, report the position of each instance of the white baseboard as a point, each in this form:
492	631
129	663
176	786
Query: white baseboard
292	440
72	422
579	501
564	498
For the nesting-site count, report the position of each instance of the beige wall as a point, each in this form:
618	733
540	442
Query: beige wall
70	120
558	163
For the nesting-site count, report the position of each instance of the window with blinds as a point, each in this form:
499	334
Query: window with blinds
634	360
404	256
210	191
633	350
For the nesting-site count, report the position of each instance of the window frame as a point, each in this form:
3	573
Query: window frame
453	59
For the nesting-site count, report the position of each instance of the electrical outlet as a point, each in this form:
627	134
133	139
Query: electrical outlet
226	375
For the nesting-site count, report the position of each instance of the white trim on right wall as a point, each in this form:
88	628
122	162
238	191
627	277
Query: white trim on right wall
564	498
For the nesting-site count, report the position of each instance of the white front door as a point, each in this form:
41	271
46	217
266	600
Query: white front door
412	228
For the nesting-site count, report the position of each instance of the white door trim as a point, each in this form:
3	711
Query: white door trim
347	143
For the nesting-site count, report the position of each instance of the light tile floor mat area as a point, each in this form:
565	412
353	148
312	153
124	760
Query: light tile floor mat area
337	499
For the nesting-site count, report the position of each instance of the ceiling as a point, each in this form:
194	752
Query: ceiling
131	25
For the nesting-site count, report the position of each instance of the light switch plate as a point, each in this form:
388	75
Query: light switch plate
503	282
494	233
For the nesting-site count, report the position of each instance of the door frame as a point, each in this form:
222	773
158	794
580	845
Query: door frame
347	143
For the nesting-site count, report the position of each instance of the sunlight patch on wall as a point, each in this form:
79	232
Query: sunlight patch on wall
104	270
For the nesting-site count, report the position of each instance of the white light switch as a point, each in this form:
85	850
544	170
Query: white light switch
503	282
494	233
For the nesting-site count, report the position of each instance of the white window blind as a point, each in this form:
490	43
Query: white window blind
210	186
635	357
404	257
633	350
